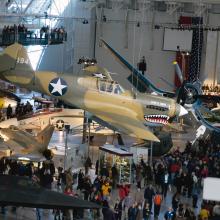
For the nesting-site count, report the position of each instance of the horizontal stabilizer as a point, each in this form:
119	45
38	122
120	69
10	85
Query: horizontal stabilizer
44	136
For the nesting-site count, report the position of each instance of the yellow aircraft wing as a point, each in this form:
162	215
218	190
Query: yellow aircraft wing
131	126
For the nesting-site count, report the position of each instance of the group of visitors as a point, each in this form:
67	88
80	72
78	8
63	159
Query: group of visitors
9	33
177	174
23	109
20	110
20	33
59	34
211	89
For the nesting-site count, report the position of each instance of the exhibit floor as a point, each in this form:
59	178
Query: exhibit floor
58	141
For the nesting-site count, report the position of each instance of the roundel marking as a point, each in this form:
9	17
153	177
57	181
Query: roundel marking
60	124
57	87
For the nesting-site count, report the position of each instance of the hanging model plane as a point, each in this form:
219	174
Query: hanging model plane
22	142
23	192
104	98
189	94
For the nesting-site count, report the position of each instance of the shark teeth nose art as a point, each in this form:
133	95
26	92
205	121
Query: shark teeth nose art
160	119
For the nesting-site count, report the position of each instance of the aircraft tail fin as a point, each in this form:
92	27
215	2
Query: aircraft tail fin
16	65
12	50
8	57
19	53
44	136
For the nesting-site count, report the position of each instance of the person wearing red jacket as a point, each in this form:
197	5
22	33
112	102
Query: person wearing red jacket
123	191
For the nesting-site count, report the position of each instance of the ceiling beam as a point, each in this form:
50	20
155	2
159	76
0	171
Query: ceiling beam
28	6
191	1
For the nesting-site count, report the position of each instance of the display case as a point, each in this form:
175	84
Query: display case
110	155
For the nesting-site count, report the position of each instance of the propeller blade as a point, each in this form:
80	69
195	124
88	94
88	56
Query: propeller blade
178	71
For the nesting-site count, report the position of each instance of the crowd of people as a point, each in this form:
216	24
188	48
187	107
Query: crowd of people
20	32
210	89
179	174
20	110
9	32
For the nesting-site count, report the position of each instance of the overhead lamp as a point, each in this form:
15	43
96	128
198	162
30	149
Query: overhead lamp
85	21
156	27
24	158
104	18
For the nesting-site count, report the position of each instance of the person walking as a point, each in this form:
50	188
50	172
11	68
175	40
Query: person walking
157	204
148	195
146	211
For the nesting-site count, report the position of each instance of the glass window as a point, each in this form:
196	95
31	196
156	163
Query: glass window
109	87
102	86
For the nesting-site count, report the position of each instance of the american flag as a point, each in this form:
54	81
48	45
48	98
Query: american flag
196	52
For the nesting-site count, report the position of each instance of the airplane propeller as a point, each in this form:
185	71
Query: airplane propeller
191	92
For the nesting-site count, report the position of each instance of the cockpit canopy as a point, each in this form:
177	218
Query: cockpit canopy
110	87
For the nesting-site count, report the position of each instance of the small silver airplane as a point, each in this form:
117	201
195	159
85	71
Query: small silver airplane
20	141
120	110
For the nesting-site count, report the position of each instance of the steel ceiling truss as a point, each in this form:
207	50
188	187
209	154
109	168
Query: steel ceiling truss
171	6
33	7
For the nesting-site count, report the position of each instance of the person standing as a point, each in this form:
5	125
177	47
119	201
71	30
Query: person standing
132	212
88	164
175	201
123	191
148	195
118	209
146	211
9	111
114	176
157	204
169	214
138	176
165	184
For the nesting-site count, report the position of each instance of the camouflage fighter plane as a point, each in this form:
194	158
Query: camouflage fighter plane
190	92
104	98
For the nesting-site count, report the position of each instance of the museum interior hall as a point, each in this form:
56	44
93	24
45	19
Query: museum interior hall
109	109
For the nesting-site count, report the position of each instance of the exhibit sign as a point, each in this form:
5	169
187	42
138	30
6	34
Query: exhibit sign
211	189
177	40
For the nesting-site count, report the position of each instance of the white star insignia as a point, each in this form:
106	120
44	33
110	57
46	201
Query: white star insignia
99	75
60	124
57	87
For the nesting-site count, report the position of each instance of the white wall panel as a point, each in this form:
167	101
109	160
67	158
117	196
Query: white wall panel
159	62
210	57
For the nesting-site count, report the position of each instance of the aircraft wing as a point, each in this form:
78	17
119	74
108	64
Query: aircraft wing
144	83
23	192
129	125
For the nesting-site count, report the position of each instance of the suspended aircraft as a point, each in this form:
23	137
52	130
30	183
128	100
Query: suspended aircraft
22	142
188	95
23	192
105	99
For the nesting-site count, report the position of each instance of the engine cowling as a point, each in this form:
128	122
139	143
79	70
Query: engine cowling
189	93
